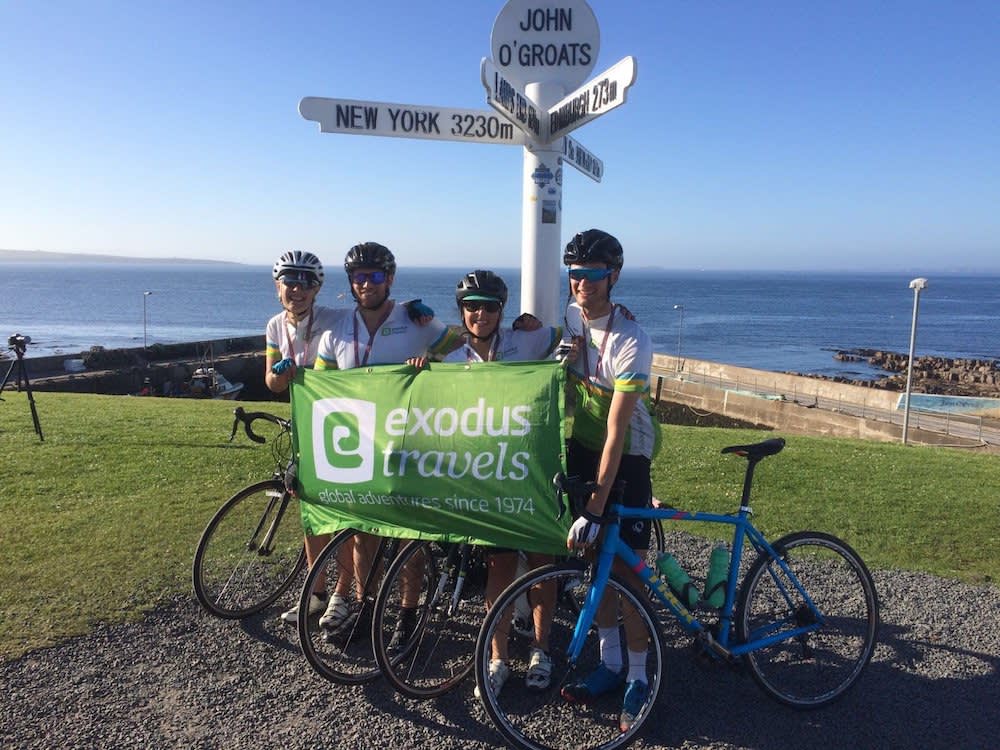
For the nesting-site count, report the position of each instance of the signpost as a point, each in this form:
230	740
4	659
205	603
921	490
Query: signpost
409	121
508	100
592	100
575	154
543	52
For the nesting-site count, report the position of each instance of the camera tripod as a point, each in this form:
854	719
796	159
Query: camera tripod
22	380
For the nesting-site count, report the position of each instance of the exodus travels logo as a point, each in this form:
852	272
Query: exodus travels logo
441	441
343	438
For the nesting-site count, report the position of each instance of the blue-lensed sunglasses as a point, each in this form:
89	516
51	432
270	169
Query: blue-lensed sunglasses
375	277
590	274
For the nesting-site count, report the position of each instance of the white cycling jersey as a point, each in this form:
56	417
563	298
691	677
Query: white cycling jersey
300	342
618	357
348	344
512	346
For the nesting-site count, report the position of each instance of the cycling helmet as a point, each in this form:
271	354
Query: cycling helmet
594	246
481	285
370	255
298	262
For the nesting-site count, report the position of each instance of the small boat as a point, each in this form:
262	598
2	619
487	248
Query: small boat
207	382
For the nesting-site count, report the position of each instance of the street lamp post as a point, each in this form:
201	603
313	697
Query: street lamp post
680	334
917	285
144	295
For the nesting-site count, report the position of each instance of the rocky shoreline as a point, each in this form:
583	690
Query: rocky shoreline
935	375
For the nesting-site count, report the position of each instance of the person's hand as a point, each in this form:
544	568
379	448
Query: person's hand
526	322
568	351
582	533
418	312
419	362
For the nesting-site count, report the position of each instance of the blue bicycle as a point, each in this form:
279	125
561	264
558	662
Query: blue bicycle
801	616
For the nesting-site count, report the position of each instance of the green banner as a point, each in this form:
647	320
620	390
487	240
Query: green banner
452	453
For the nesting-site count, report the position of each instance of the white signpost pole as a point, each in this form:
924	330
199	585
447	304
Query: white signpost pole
541	222
547	48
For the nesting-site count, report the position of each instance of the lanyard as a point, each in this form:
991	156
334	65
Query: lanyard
358	362
491	355
604	343
290	330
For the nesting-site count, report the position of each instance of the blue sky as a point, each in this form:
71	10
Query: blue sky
773	135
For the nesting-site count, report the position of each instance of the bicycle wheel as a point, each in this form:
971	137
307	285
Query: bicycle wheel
341	651
814	669
250	552
427	617
545	720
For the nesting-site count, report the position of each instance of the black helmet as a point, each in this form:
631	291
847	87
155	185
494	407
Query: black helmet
594	246
370	255
481	285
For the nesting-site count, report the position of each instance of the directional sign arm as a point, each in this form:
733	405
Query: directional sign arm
358	117
575	154
593	99
511	102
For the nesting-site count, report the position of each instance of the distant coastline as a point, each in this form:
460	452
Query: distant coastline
43	256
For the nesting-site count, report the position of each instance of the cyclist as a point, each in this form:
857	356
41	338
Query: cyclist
376	332
614	438
481	298
292	340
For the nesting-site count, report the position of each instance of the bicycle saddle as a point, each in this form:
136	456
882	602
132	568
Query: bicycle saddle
757	451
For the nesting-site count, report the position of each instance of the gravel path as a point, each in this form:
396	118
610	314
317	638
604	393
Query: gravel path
183	679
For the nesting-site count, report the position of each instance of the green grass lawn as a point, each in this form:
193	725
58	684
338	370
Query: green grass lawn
100	521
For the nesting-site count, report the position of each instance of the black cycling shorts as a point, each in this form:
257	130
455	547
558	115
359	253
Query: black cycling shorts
634	471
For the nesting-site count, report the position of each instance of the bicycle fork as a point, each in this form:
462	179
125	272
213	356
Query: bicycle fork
266	546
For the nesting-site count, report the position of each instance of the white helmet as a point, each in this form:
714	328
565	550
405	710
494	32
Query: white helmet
298	261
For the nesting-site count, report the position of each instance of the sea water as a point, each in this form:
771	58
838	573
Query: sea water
766	320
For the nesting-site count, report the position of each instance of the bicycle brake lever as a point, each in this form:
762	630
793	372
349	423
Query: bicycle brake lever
557	482
237	413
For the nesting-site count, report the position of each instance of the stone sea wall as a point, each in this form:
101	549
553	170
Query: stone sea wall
166	366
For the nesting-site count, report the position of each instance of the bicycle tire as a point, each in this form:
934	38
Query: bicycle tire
544	720
344	655
813	670
438	653
233	576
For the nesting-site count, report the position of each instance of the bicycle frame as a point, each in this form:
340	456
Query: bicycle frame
613	547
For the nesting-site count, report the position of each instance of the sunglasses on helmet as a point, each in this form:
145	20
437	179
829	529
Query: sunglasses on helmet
476	305
375	277
590	274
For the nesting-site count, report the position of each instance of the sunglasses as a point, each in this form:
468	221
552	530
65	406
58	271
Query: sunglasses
476	305
375	277
310	283
590	274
